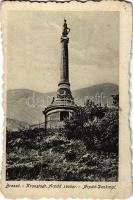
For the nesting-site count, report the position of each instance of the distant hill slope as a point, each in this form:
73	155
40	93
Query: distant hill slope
106	88
15	125
27	105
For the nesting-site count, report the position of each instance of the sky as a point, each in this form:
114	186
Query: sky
34	49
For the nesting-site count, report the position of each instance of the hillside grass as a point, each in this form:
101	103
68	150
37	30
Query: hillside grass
39	155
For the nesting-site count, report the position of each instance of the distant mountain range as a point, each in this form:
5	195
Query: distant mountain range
24	107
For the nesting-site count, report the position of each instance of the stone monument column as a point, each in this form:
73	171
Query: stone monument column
64	68
63	104
64	85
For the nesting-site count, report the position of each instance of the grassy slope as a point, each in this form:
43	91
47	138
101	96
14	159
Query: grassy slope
36	155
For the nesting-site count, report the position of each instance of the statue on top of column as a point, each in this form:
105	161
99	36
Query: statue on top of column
66	30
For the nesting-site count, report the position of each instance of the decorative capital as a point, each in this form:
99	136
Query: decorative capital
66	30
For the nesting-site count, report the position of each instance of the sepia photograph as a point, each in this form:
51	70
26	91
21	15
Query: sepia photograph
66	100
63	96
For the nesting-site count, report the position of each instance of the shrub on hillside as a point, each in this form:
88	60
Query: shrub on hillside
96	126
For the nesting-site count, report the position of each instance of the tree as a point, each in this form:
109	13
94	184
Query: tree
74	126
95	125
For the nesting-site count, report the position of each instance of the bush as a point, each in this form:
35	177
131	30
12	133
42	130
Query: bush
96	126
